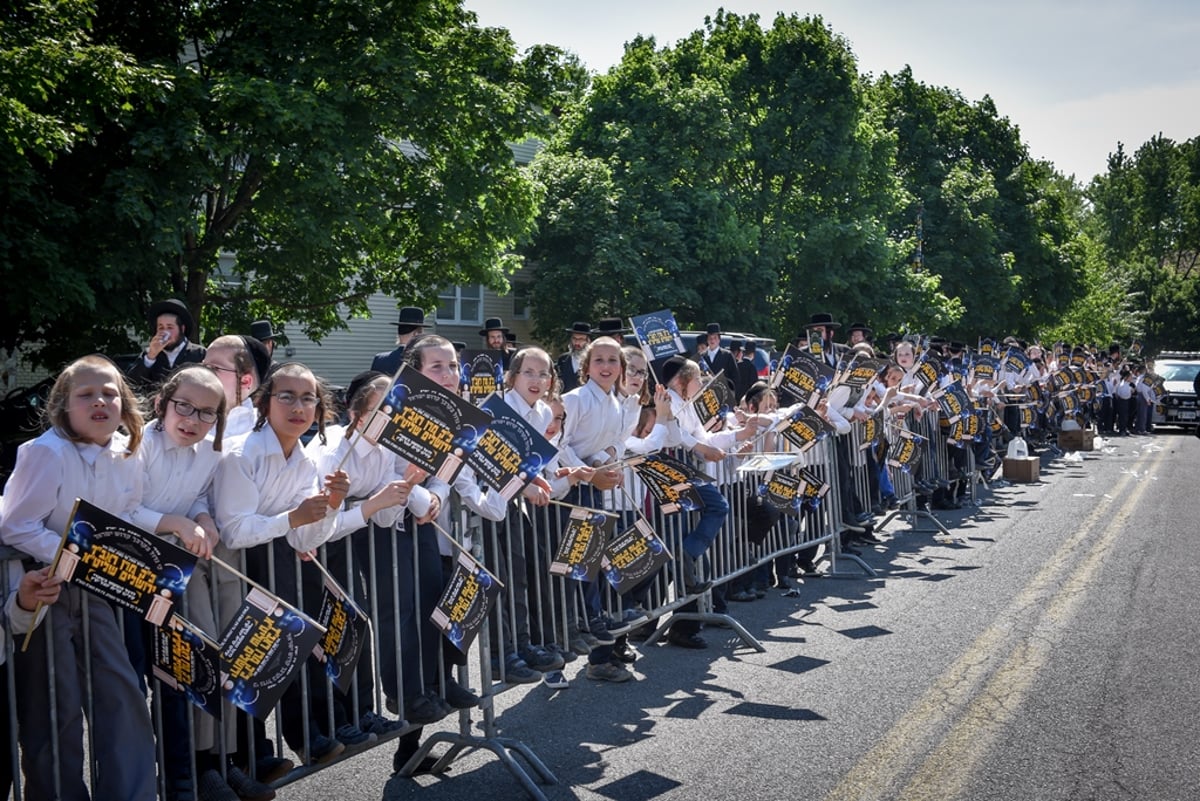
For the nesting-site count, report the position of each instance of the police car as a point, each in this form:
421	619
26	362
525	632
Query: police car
1178	371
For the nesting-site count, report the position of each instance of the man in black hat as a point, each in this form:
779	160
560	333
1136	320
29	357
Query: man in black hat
494	333
719	358
858	332
568	364
410	326
169	348
264	333
495	337
822	326
611	327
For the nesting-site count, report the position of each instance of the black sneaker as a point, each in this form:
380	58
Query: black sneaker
459	696
541	659
352	736
321	750
379	725
424	709
248	789
212	787
598	626
272	768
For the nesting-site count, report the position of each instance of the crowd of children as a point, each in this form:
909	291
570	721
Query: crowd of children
222	466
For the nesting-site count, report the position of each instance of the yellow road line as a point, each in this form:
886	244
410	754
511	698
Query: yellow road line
982	698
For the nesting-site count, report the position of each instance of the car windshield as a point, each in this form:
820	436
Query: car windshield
1185	371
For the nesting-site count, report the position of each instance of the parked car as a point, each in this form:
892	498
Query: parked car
1178	371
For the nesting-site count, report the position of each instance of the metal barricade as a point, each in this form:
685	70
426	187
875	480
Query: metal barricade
394	572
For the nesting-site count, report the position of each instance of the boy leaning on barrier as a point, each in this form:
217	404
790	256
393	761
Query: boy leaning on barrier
681	376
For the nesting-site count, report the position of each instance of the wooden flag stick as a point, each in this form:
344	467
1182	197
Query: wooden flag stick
226	566
53	569
461	549
590	509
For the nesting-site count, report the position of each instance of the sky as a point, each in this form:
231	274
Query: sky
1075	77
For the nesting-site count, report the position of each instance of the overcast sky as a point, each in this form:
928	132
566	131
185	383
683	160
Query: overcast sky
1075	77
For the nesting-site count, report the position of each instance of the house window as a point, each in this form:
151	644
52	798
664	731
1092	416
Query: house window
461	305
521	300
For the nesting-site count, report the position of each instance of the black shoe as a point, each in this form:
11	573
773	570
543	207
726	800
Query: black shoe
624	654
269	769
459	696
694	641
424	709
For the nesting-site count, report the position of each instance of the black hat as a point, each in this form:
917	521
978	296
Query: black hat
361	380
492	324
737	344
860	327
411	317
671	367
892	337
511	336
459	346
609	326
701	339
713	328
579	328
262	331
751	346
956	347
823	318
177	308
260	356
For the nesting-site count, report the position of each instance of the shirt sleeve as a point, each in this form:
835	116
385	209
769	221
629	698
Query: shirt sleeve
30	497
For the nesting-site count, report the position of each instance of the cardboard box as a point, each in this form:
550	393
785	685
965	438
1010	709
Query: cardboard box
1079	440
1022	470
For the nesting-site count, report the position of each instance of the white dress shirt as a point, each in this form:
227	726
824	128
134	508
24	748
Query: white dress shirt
255	488
239	421
50	473
176	479
370	468
593	425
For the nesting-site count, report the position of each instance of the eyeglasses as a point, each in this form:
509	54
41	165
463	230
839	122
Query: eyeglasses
637	373
185	409
291	399
216	368
535	376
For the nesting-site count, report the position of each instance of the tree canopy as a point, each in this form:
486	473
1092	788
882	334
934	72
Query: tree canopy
267	158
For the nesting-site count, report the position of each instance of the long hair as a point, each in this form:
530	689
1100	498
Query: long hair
59	399
517	361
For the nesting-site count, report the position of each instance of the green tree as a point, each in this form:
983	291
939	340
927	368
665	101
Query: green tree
337	147
996	225
748	185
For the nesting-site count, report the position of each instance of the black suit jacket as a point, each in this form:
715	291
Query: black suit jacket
154	375
388	362
747	375
566	372
723	360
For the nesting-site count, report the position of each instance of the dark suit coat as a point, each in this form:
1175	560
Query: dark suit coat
723	360
747	375
388	362
154	375
566	372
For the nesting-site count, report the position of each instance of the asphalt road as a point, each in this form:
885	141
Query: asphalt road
1049	654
